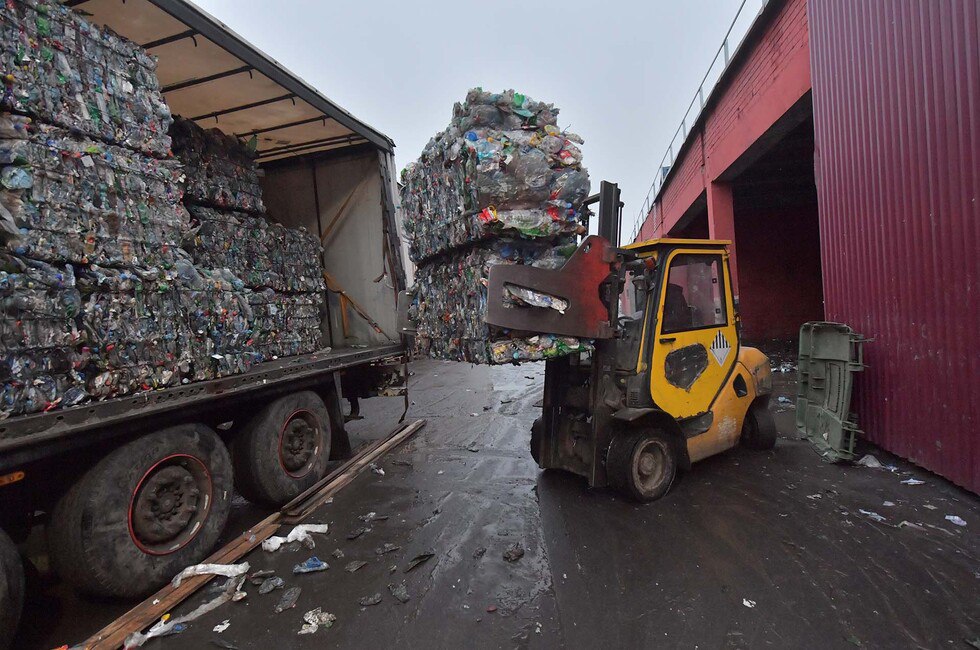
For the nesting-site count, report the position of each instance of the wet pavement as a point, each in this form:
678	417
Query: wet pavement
749	549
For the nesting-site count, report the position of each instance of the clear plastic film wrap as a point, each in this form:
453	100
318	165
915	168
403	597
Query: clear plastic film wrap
62	69
221	172
66	198
502	168
451	300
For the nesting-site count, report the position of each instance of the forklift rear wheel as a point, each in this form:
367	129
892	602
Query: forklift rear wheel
283	450
537	430
145	511
642	464
759	429
11	590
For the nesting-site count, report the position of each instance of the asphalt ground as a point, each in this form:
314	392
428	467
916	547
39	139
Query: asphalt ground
749	549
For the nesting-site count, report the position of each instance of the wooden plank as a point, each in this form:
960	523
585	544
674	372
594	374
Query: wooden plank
150	610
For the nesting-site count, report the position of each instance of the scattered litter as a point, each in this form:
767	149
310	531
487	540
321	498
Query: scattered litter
440	472
399	592
480	552
271	584
784	400
506	401
787	366
913	481
354	565
492	608
368	601
221	643
514	553
377	470
473	448
417	560
288	600
814	496
259	577
167	625
392	569
354	534
228	570
888	504
953	519
473	415
315	619
300	533
222	626
386	548
909	524
337	553
311	565
929	506
372	516
869	461
748	603
401	463
872	515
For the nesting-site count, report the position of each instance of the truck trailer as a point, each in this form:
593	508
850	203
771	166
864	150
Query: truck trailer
132	489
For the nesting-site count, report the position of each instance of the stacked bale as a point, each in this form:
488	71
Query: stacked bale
502	185
280	268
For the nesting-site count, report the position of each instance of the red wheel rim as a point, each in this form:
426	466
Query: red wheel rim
170	504
300	440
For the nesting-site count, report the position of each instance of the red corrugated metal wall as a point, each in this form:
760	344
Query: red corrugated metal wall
896	95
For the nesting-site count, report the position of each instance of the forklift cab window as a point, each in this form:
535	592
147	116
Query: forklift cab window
632	309
695	295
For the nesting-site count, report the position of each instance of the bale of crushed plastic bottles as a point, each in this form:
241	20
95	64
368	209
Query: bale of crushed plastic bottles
501	185
501	168
220	171
65	71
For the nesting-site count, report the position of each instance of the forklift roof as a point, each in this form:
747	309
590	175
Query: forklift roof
652	245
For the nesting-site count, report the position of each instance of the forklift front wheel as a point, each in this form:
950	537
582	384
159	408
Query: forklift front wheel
759	429
642	464
537	430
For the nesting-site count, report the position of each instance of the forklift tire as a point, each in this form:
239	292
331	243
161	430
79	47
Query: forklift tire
759	429
536	432
283	450
143	513
642	465
11	590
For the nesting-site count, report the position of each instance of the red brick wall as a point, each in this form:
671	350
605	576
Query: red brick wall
770	79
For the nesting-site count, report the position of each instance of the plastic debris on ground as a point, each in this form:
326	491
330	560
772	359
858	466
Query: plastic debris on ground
869	461
288	600
748	603
954	519
167	625
368	601
386	548
315	619
514	553
300	534
228	570
501	185
873	516
912	481
271	584
418	559
399	592
222	626
354	565
311	565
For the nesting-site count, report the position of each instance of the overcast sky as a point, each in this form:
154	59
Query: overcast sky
622	73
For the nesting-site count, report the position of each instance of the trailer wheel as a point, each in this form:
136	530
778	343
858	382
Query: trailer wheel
283	450
642	464
144	512
11	590
759	428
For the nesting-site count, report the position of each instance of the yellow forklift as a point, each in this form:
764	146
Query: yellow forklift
668	382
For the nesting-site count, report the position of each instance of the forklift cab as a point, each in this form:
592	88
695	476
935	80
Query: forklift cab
668	382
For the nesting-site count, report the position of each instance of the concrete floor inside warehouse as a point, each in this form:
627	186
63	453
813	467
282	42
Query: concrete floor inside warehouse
749	549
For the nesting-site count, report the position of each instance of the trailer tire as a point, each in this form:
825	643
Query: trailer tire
283	450
759	428
11	590
642	465
144	512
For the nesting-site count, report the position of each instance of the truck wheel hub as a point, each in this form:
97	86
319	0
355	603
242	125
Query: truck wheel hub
167	508
299	443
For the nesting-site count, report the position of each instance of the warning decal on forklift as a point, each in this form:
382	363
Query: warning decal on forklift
720	348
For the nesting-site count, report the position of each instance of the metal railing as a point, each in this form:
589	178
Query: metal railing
715	71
